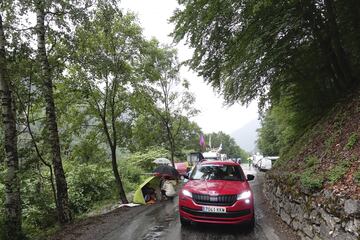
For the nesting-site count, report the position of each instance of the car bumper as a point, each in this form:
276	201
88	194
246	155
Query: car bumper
238	213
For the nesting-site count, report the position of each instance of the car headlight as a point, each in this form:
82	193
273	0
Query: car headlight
244	195
187	193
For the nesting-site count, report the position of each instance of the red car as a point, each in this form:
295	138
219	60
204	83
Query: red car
182	168
217	192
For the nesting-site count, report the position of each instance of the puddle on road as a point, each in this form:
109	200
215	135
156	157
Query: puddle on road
158	231
154	233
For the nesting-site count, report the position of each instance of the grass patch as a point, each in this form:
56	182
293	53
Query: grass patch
330	141
292	179
311	161
338	171
311	179
353	139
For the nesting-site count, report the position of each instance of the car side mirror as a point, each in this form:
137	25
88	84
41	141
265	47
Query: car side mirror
186	175
250	177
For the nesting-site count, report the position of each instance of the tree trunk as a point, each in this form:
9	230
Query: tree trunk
64	213
113	144
119	184
171	143
12	181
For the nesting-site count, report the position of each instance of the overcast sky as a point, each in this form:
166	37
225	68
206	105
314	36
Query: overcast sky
214	116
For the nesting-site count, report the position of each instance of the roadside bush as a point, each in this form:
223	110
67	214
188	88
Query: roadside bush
131	174
338	172
311	180
39	210
88	184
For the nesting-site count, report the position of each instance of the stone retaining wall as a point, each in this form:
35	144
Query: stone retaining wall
321	215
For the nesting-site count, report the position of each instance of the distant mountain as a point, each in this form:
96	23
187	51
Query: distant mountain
246	136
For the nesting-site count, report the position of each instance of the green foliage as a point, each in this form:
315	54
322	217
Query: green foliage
338	171
353	139
268	136
311	161
144	159
292	179
88	184
38	209
311	180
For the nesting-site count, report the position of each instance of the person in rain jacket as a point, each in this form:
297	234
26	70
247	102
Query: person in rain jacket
168	188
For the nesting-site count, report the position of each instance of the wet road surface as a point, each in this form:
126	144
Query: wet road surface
161	221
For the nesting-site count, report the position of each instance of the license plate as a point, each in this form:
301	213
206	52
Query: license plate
214	209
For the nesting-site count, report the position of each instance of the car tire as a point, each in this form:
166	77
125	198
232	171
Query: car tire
250	225
184	222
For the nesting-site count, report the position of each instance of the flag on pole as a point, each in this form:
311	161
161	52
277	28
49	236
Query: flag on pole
202	141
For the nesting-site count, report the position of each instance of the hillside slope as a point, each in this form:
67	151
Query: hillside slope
327	156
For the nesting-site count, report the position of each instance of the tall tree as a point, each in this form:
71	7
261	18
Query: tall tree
109	51
172	101
12	181
64	212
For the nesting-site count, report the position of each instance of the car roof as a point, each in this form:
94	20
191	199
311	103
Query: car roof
218	162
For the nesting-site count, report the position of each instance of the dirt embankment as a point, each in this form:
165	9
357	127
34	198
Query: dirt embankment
327	156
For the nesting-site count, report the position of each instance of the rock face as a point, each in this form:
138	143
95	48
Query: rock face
352	207
314	215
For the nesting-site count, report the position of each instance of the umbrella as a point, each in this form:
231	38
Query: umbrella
166	170
162	161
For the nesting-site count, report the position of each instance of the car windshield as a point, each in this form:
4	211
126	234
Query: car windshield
217	172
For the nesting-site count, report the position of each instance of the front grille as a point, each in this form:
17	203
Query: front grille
221	200
200	213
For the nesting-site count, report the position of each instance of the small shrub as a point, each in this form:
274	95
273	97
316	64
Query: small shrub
352	141
88	184
311	180
338	172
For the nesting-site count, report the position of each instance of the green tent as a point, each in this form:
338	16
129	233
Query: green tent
153	182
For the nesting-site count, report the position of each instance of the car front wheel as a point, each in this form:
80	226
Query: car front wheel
250	225
184	222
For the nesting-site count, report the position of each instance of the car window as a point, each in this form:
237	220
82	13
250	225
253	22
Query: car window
217	172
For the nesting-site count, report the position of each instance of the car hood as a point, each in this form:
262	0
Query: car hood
216	187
